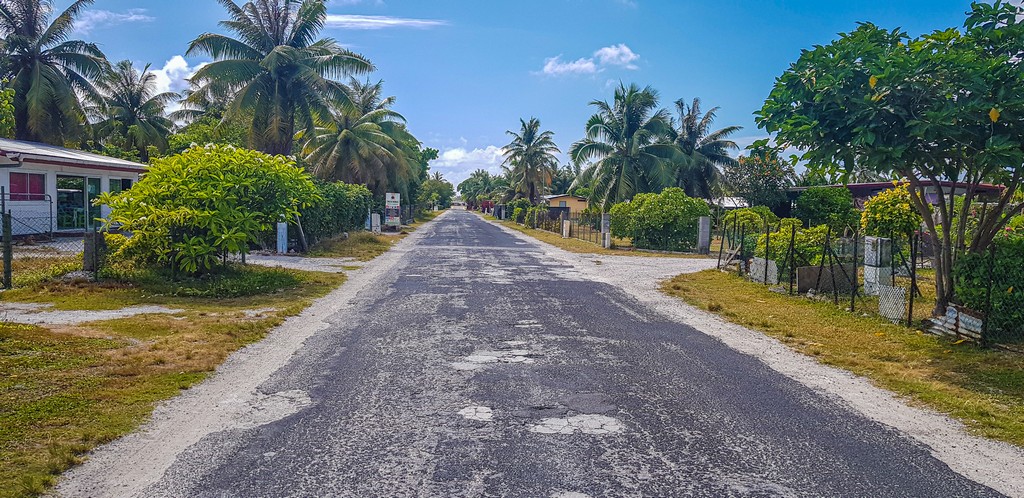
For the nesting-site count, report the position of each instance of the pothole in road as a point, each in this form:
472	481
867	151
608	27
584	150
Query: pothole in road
599	425
516	354
478	413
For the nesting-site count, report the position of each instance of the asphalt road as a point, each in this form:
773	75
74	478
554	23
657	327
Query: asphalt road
478	367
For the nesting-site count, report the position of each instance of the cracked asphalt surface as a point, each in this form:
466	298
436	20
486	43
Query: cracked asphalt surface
478	367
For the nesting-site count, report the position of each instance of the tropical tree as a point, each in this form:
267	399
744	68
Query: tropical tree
365	142
761	177
47	71
943	107
277	73
561	183
477	187
627	147
131	112
530	159
703	151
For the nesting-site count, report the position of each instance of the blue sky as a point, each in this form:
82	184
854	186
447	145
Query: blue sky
464	71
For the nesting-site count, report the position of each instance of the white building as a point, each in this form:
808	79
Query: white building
50	189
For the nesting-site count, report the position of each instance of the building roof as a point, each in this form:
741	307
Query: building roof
21	152
556	196
982	187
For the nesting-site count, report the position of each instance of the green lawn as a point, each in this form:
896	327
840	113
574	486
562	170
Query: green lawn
66	389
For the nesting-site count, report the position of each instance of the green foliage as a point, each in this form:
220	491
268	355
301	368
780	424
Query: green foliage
342	207
206	130
530	160
190	209
535	215
519	207
6	111
627	147
436	192
807	242
665	221
277	68
947	105
890	214
49	71
765	213
761	177
747	220
975	273
831	206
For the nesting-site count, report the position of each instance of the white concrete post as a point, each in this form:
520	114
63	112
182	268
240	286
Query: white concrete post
375	223
282	238
704	235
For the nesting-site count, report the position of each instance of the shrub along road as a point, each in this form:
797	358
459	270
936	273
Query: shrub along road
471	361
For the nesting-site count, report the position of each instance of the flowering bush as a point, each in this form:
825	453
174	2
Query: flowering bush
890	214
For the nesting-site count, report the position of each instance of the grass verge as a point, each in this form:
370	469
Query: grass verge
66	389
983	388
364	246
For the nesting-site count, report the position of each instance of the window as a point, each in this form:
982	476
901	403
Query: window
118	185
28	187
562	204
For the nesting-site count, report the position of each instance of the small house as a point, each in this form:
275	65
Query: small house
574	203
50	189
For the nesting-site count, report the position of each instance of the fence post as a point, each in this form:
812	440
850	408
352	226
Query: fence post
721	241
988	294
914	241
767	248
855	283
742	258
8	249
792	258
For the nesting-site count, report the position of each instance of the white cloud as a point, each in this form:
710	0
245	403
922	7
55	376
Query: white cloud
457	163
612	56
352	21
617	55
556	67
99	19
173	77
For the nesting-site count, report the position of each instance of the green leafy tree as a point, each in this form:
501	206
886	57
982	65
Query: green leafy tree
761	177
46	69
946	106
530	159
278	75
626	148
131	112
436	191
192	209
703	151
832	206
205	130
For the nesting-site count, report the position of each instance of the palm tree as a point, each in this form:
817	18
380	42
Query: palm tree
627	147
703	151
277	75
47	71
131	109
372	147
477	187
530	159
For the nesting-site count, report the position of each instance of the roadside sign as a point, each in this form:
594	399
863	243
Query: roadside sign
392	210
